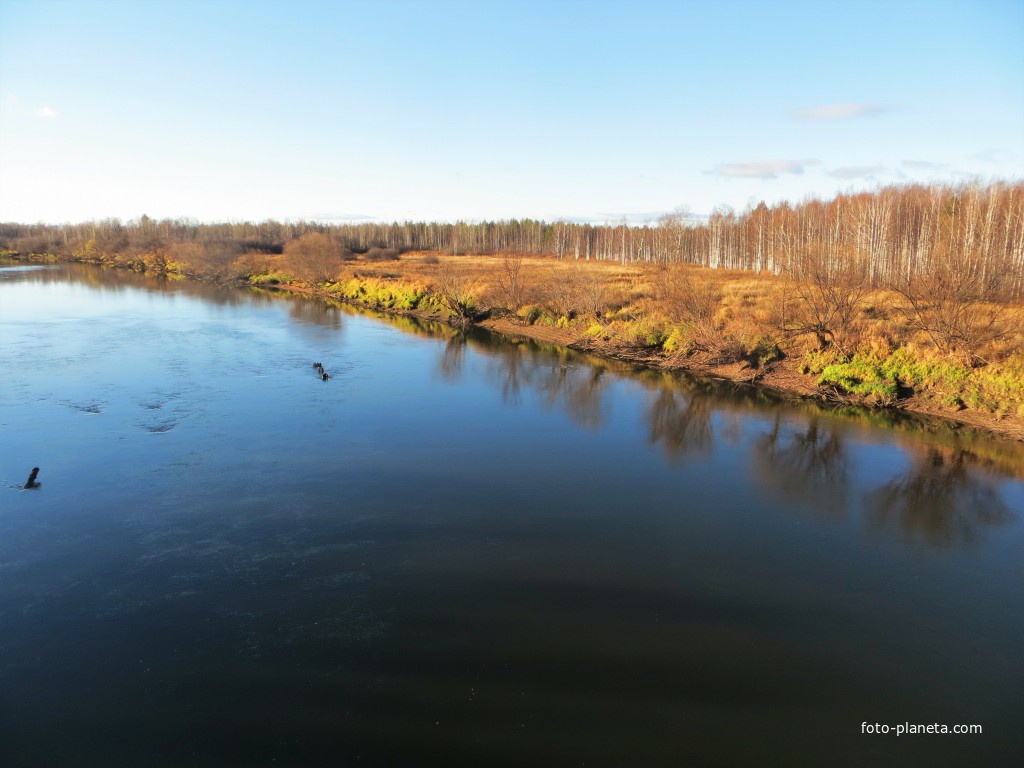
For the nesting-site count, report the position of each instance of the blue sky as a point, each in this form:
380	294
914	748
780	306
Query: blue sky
410	109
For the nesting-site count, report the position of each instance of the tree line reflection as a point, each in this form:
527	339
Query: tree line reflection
306	310
946	496
807	464
939	500
680	423
559	379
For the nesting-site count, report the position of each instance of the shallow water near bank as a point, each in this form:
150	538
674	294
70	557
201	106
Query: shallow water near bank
463	548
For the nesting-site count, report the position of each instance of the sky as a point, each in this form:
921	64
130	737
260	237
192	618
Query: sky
399	110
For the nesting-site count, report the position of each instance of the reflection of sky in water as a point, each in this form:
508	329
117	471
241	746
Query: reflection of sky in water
619	556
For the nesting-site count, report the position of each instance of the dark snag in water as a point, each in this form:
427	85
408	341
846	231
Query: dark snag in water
324	376
31	483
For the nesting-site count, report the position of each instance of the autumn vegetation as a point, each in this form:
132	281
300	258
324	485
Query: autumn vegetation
910	296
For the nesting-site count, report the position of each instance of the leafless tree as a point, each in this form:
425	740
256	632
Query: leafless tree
455	287
957	302
314	257
690	302
826	296
511	281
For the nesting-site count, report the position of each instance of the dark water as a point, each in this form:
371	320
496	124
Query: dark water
461	550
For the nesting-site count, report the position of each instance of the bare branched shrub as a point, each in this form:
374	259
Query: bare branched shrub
211	260
958	301
313	257
455	288
218	258
382	254
824	297
725	348
511	281
592	290
577	290
691	304
251	263
563	295
185	257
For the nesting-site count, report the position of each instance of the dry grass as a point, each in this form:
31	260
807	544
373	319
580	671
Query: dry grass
750	306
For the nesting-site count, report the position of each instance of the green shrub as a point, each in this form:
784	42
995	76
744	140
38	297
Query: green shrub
530	313
861	378
268	278
676	341
647	333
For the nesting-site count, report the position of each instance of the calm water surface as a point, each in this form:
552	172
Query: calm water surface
463	550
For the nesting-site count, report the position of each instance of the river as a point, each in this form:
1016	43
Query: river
462	549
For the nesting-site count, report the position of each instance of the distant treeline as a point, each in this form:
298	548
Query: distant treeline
893	234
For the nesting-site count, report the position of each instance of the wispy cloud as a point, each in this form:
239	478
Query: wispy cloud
761	169
340	217
991	156
11	105
630	217
923	165
828	112
858	172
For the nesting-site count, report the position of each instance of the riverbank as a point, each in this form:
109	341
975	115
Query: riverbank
620	312
783	379
626	313
783	376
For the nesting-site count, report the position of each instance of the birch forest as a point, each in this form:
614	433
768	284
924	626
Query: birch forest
890	237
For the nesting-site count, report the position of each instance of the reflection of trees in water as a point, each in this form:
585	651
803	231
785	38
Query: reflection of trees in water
307	310
578	389
938	500
314	312
808	464
417	326
730	428
452	357
681	423
510	367
108	279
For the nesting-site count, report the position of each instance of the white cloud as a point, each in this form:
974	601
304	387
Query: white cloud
924	165
762	169
991	156
339	217
827	112
631	217
857	172
11	105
